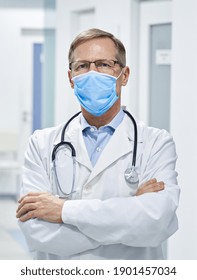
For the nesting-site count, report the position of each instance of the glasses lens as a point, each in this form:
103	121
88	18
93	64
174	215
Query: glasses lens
105	66
80	66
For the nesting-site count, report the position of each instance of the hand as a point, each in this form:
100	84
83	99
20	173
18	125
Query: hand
150	186
40	205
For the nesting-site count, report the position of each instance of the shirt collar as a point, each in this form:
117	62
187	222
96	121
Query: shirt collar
113	124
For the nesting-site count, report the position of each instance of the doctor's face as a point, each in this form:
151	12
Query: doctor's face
103	52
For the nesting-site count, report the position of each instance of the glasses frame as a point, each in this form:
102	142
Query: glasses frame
95	62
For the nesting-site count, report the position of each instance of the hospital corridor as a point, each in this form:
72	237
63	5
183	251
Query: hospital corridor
38	81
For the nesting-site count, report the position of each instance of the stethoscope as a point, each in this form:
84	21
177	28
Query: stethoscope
130	173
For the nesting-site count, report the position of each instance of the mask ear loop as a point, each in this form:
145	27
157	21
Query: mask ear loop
119	75
123	71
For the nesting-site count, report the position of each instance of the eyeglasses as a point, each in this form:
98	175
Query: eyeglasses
104	66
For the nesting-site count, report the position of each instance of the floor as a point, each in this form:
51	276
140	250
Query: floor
12	242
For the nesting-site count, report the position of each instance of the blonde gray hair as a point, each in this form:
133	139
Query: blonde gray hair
95	33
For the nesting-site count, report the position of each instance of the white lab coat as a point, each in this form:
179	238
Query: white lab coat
104	220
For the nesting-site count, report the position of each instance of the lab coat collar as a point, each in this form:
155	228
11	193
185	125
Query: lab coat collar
120	144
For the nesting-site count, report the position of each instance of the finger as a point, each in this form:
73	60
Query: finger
149	182
26	200
161	185
25	209
27	216
158	187
27	195
155	187
31	194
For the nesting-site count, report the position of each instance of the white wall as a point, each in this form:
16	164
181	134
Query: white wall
113	16
183	245
12	75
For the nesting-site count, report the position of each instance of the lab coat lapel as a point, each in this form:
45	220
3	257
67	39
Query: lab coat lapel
120	144
75	136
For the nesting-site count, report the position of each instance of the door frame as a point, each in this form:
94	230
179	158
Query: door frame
29	36
151	13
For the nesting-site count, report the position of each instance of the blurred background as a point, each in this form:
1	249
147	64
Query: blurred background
161	42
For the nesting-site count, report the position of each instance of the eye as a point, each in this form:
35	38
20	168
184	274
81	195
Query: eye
81	66
103	64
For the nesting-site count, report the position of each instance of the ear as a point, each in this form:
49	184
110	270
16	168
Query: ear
125	75
70	79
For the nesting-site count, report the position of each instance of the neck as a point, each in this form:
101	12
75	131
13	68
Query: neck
104	119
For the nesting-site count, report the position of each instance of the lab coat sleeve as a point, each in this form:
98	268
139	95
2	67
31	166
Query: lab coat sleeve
59	239
142	221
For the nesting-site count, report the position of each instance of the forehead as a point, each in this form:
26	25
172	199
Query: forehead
93	49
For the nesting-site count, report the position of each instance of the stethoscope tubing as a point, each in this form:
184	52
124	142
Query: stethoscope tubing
66	125
73	152
135	137
62	142
57	180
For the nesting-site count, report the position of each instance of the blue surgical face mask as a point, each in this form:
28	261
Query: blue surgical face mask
96	91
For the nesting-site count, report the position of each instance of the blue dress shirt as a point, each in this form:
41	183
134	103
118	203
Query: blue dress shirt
96	139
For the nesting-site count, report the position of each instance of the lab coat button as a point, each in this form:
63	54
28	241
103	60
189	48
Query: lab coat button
88	187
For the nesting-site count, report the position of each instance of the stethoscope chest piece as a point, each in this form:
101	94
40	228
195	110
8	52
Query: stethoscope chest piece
131	175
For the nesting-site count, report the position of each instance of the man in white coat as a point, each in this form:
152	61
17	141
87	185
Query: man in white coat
103	216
